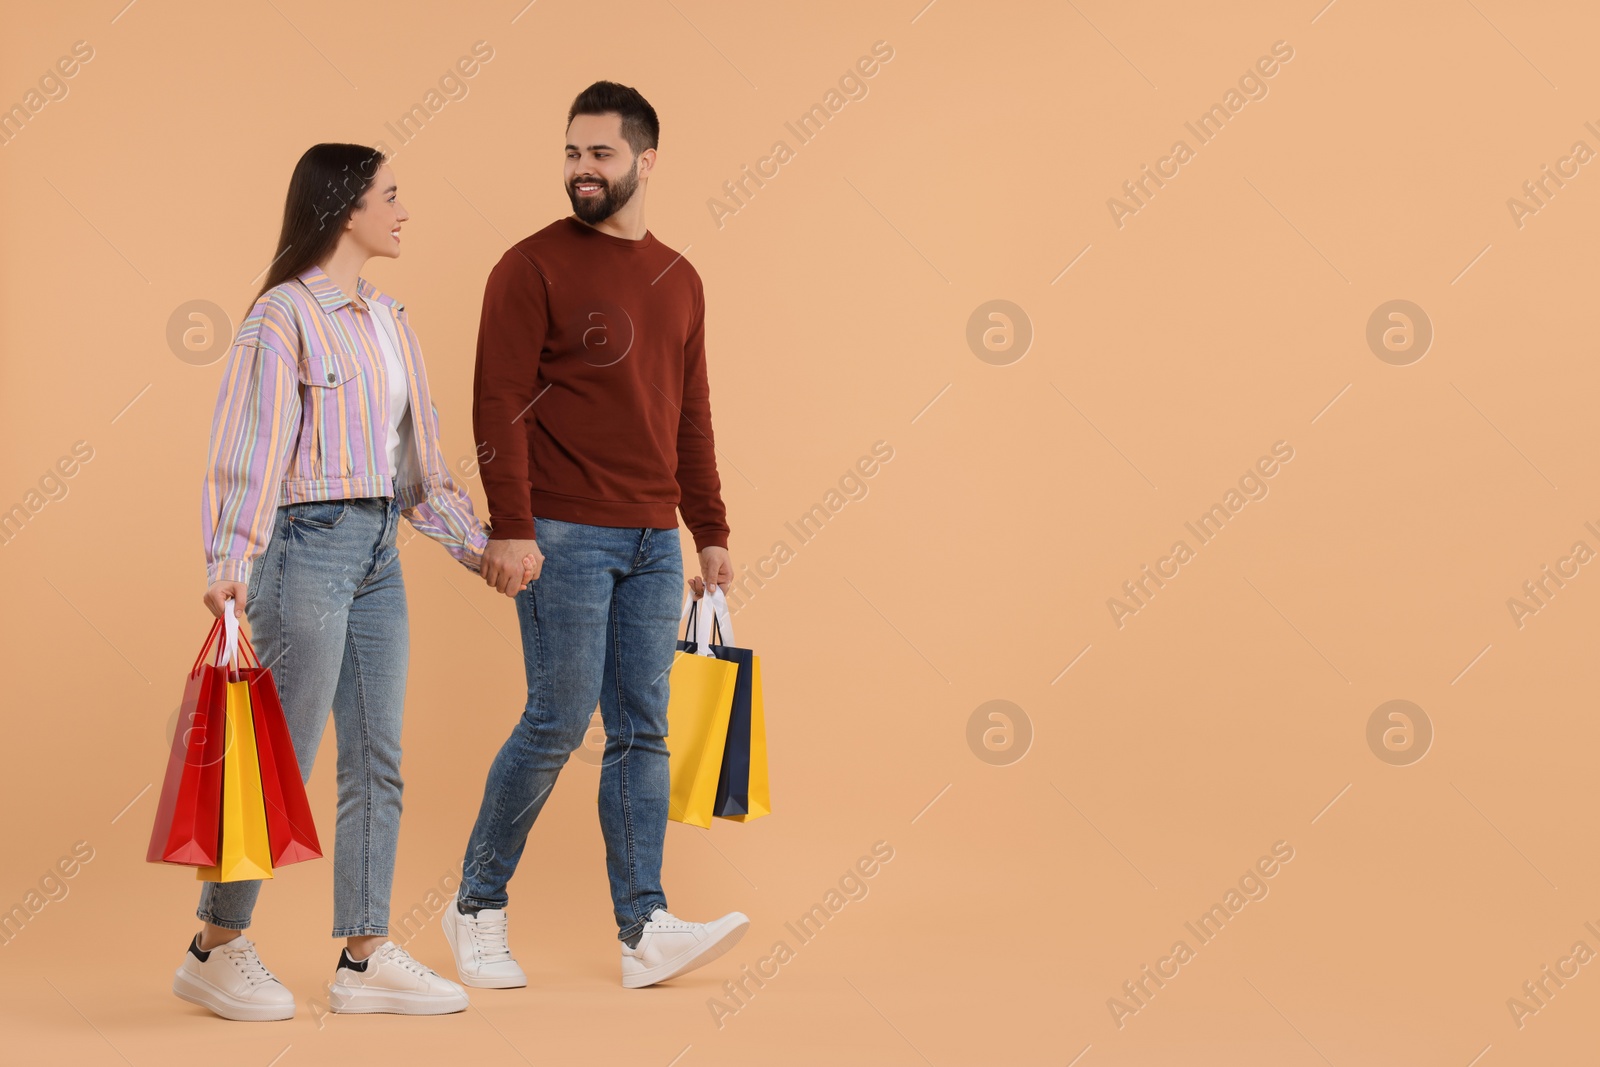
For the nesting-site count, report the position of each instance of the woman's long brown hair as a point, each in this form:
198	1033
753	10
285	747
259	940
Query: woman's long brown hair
328	183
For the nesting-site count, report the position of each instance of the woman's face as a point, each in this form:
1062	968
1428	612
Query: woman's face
374	225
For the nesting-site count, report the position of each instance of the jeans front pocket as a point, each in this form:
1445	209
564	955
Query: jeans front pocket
322	514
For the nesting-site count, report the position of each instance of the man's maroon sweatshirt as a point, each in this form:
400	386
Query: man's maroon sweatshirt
590	399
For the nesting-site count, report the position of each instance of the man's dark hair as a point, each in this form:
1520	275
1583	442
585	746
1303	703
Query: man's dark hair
640	128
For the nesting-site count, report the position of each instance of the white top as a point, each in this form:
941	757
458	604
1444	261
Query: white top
399	406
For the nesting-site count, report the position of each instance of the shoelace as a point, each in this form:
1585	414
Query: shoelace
393	953
669	921
249	964
489	939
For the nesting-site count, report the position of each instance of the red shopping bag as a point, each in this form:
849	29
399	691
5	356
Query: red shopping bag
291	833
188	824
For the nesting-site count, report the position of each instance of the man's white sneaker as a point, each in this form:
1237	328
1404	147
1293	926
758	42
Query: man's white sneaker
482	951
669	946
389	980
232	981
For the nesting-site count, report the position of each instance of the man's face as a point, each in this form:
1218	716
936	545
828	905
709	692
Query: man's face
601	173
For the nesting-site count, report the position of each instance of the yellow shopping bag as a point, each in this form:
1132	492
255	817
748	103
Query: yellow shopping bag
698	705
245	853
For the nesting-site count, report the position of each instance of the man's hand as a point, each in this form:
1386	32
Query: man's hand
715	569
221	592
509	565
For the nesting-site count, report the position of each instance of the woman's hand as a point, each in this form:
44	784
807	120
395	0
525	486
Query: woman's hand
221	592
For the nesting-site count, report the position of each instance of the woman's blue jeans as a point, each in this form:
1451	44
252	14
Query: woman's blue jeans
599	625
327	613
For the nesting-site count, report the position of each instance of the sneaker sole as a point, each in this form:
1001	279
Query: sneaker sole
196	991
507	982
346	1001
516	981
702	954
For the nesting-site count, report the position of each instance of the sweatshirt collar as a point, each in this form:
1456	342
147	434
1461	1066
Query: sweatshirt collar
594	234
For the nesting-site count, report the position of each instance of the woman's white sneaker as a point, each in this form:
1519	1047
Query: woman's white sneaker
482	948
232	981
669	946
391	981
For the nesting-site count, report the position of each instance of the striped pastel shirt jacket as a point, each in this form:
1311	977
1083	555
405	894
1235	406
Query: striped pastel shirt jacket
302	414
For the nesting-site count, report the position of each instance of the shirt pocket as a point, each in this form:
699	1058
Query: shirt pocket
322	376
328	370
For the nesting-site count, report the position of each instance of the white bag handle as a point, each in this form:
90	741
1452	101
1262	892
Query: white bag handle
230	629
719	602
702	622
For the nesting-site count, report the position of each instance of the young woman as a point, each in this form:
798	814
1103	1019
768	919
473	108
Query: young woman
323	437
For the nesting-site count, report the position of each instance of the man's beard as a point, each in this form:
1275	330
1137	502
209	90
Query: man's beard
608	201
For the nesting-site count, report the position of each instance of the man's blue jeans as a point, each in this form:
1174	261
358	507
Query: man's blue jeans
599	624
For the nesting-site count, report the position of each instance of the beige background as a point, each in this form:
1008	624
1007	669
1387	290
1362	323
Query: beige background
1230	713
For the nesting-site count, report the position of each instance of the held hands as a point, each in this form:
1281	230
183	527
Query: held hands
509	565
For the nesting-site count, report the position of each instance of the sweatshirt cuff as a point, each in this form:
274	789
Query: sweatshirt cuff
710	539
511	530
228	570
